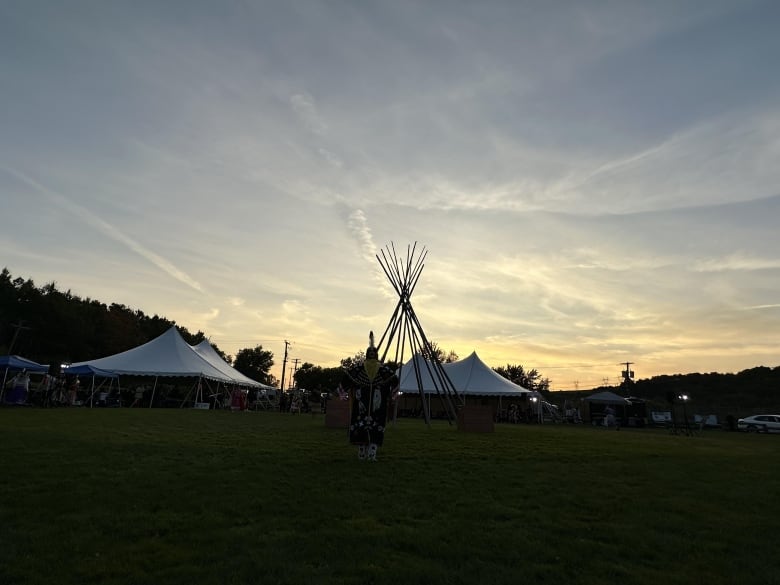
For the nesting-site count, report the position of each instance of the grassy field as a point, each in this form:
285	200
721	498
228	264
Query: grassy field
183	496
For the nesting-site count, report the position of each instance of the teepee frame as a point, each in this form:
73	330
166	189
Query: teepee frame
405	329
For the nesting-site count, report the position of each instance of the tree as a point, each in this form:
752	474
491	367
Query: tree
357	359
255	363
438	352
317	379
304	375
532	379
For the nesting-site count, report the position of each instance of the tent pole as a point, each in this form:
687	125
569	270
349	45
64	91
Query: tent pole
186	396
2	388
151	400
119	391
92	391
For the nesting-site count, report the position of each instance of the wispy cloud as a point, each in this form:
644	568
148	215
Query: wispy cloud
106	229
737	261
360	230
330	157
303	105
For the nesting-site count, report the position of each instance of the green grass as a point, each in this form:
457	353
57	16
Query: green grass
181	496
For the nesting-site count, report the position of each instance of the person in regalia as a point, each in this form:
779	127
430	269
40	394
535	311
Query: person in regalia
370	386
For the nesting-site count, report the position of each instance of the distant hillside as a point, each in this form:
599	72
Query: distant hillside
747	392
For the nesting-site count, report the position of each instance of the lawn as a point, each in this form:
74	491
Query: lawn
121	496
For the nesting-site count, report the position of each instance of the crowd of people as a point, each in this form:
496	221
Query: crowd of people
52	390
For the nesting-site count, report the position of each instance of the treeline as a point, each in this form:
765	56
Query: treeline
48	325
746	392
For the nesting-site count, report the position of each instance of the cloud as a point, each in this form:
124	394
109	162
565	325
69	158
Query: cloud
330	157
303	105
737	261
358	227
107	229
722	159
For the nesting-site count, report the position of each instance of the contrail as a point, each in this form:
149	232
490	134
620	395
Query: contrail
358	225
106	228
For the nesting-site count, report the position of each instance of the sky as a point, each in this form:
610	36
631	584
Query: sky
595	182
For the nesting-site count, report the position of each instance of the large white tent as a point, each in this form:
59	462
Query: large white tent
470	377
169	355
207	352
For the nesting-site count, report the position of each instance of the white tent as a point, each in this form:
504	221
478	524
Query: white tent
470	377
166	355
607	397
207	352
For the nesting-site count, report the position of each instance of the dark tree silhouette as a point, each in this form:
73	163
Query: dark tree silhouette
255	363
531	379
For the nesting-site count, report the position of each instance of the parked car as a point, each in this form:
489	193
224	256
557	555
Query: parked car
760	423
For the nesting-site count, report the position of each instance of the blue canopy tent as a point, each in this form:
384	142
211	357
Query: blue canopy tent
15	362
87	370
11	363
94	373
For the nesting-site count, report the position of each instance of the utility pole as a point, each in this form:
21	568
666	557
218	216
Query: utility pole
17	328
281	386
628	374
295	371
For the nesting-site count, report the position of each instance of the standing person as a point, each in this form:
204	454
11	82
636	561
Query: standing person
610	418
139	396
59	391
20	386
73	390
48	386
369	386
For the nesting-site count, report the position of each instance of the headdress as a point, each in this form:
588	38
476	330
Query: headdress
372	353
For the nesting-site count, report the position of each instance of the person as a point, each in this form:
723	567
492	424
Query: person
20	386
73	391
139	396
48	386
609	419
59	391
295	404
731	422
369	386
235	399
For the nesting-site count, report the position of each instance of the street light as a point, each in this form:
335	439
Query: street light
684	399
537	408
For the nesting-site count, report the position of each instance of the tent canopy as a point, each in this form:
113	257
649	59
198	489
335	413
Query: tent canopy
14	362
166	355
87	370
607	397
207	352
470	377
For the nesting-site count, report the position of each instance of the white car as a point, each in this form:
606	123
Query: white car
760	423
